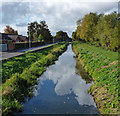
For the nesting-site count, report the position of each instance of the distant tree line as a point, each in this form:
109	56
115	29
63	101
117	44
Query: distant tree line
39	32
61	36
101	30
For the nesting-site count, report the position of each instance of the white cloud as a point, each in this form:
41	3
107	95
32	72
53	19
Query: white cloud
59	15
65	79
14	12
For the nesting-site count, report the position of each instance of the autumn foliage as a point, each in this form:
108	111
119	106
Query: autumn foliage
10	30
99	29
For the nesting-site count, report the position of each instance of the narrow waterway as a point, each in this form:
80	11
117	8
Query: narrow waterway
61	90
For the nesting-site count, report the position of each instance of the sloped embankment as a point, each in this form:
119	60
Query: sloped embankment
19	85
102	66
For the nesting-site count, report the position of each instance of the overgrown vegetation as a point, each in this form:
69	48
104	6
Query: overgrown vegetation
18	64
102	66
99	29
21	81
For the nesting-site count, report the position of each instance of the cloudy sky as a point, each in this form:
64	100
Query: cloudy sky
58	14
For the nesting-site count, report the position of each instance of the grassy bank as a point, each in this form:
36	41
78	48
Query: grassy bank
20	84
102	66
18	64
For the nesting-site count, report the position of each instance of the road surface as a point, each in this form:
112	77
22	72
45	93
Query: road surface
4	55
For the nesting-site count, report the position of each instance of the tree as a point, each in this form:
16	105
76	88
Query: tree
74	36
32	30
40	38
45	32
62	36
100	30
79	22
107	31
87	27
35	37
35	29
10	30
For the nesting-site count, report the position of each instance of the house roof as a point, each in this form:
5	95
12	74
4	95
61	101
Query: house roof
22	37
11	36
4	37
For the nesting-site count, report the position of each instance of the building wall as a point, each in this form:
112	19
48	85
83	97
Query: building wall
10	45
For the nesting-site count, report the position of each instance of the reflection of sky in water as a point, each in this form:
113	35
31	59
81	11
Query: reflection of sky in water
61	91
66	81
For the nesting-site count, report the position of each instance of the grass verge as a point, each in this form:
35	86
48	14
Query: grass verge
102	66
18	64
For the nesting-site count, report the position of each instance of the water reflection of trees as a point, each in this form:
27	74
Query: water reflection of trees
80	71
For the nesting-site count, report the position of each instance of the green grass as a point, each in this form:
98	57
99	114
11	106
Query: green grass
20	84
102	65
18	64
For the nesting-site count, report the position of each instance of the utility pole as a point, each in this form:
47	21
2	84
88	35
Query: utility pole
29	36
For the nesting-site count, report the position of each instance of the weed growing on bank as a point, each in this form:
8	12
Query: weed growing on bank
102	66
